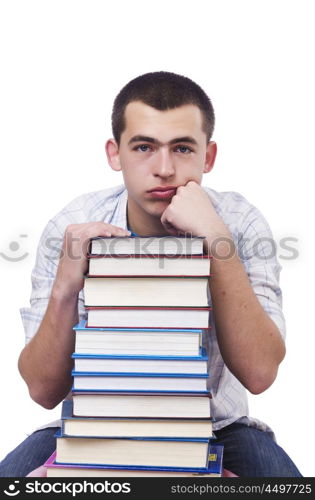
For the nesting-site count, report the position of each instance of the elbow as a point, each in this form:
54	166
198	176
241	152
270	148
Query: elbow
260	382
41	391
262	378
45	394
259	386
37	391
40	397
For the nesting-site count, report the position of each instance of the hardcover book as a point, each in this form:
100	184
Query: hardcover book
132	341
141	364
141	405
188	453
146	317
163	291
157	245
132	427
142	382
150	265
214	469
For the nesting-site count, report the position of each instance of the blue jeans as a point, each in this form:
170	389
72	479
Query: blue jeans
247	452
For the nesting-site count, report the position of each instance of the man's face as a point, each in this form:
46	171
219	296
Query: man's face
160	149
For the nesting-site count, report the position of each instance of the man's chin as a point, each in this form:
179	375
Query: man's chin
157	208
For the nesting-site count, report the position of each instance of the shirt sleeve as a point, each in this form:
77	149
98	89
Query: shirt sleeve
258	251
43	276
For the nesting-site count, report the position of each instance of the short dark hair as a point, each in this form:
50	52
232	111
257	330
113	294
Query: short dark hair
162	90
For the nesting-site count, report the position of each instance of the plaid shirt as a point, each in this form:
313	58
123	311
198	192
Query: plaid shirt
253	239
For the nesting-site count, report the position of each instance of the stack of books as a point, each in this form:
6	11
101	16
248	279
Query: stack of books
141	402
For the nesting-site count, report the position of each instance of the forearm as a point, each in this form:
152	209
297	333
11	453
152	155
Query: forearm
250	342
45	362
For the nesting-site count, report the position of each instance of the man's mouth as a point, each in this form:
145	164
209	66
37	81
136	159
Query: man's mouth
163	193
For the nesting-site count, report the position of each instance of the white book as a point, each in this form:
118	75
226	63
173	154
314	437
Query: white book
141	317
144	342
141	405
169	364
146	291
133	452
135	382
161	245
132	427
144	265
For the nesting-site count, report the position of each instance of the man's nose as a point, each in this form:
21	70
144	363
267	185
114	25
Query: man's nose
164	165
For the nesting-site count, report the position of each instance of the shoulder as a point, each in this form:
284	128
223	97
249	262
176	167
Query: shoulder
241	216
228	201
93	205
231	206
88	207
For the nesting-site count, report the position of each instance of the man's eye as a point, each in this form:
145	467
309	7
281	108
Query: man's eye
143	147
183	149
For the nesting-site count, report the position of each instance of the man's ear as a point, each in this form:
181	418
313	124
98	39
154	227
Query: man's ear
211	154
112	153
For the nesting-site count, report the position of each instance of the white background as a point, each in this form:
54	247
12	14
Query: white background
63	62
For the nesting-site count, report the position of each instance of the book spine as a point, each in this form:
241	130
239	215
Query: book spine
139	393
139	374
149	256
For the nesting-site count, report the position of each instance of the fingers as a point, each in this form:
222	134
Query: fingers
94	229
73	259
77	236
111	230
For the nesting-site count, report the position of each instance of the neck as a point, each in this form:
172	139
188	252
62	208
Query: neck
144	224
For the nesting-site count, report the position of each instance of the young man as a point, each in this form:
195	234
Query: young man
162	127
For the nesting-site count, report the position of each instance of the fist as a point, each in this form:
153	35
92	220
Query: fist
191	212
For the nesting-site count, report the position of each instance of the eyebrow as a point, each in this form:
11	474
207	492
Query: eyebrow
144	138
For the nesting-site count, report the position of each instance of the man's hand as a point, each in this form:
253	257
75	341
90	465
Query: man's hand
73	263
45	362
191	212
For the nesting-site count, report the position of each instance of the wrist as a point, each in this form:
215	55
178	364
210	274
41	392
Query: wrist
219	244
62	292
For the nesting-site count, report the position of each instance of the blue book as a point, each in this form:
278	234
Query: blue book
134	452
141	364
141	404
214	468
137	341
201	357
161	382
120	427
